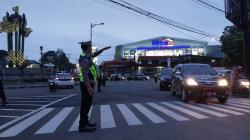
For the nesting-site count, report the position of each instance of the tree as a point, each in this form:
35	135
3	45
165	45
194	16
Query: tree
58	59
232	46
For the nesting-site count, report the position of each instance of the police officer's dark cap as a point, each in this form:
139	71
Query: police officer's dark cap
85	44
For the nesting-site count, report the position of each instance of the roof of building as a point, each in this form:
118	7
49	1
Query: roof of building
163	37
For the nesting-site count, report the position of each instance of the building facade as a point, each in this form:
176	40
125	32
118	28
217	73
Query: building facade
152	55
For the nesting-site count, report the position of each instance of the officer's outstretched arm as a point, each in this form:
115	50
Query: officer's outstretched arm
100	51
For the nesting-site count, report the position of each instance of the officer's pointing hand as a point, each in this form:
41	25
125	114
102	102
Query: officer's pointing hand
106	48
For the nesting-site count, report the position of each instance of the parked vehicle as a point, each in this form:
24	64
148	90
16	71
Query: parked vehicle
241	88
165	79
198	81
117	77
64	79
141	77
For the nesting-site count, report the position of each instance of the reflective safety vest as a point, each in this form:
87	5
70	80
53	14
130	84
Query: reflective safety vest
92	71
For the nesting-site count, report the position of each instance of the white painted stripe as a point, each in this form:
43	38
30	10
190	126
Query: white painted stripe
23	105
234	108
75	125
33	112
237	105
51	126
29	101
23	98
168	112
222	109
18	128
241	103
11	109
189	112
240	100
2	116
202	109
149	114
107	119
129	116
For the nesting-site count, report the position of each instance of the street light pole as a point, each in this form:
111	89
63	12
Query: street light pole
91	29
41	49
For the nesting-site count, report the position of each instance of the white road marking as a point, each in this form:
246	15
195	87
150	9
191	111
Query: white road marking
23	105
29	101
202	109
2	116
222	109
75	125
149	114
25	98
168	112
238	102
129	116
234	108
189	112
18	128
33	112
12	109
237	105
51	126
107	119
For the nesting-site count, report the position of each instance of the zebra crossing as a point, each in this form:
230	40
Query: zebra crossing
152	112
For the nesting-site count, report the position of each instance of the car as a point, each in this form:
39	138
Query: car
165	79
198	81
225	73
141	77
64	79
117	77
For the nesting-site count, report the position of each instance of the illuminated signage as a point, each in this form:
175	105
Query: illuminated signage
162	48
165	42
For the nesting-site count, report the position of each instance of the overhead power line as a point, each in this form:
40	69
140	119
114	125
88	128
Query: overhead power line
164	20
209	5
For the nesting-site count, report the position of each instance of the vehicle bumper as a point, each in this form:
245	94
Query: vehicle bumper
165	84
65	83
205	91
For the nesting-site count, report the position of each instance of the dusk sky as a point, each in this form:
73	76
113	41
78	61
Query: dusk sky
64	23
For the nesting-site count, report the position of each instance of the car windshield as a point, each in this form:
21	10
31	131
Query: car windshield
167	72
198	70
64	75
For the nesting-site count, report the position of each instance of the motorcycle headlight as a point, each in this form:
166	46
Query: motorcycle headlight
245	83
191	82
223	83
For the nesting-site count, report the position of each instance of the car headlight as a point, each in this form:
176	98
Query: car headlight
222	83
162	79
191	82
245	83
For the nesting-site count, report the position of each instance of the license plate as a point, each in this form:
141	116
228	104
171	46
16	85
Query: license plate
210	94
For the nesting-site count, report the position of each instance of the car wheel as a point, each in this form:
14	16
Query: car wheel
172	91
72	87
222	100
184	96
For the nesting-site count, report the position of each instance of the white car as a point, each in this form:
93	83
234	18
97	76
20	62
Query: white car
64	80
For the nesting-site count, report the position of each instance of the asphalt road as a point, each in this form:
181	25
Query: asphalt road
135	110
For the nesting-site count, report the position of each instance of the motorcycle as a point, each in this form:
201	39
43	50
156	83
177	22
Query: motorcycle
241	88
52	86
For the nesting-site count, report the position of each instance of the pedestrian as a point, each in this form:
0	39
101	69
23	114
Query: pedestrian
99	80
156	78
88	77
104	80
2	93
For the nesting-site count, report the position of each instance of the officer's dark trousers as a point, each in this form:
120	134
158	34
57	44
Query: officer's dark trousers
86	102
2	94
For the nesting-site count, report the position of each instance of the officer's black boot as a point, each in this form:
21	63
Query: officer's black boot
86	128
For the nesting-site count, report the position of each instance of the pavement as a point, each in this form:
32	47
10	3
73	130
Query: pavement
135	110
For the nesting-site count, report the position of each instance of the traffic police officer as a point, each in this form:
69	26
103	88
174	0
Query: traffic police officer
88	77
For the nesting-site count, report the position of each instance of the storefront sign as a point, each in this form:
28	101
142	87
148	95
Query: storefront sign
165	42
